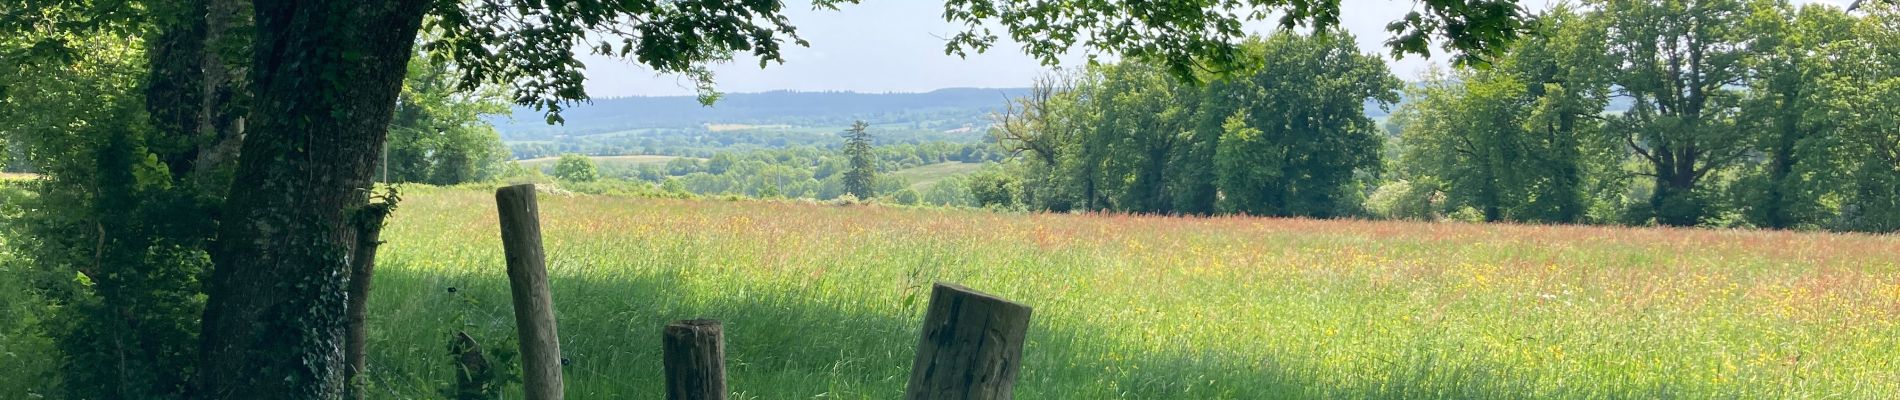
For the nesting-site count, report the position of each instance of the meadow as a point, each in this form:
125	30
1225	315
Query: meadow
922	177
824	301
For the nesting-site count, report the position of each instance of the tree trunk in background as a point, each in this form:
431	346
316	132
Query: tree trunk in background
368	223
325	76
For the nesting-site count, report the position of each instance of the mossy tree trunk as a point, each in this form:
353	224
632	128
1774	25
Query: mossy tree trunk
325	77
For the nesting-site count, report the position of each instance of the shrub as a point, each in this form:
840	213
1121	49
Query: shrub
576	168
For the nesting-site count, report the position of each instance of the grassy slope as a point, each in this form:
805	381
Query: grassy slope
824	302
922	177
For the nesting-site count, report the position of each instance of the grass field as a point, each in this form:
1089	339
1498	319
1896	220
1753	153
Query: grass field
636	160
824	302
16	176
923	177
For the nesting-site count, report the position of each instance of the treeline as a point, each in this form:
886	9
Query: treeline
1740	113
701	142
795	172
1287	137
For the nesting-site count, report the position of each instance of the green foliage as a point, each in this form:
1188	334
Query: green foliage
1684	118
497	353
952	191
863	165
1296	140
1287	137
576	168
1516	142
439	134
114	235
1864	99
1407	200
994	188
1206	36
1786	186
906	196
25	344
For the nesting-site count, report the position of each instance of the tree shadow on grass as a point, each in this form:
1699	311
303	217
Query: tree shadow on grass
788	346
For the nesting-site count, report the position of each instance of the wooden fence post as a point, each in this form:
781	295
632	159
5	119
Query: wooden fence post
695	355
971	346
528	280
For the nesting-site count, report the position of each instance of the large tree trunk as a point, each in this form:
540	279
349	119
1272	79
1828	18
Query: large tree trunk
1674	200
325	76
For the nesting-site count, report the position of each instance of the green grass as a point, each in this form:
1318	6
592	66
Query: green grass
824	302
923	177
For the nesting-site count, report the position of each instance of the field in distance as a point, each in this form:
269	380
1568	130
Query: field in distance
825	301
924	176
635	160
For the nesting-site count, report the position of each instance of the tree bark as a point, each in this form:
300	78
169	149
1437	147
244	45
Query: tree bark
325	76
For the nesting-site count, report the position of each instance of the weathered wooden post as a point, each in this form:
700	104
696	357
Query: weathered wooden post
528	279
695	356
972	346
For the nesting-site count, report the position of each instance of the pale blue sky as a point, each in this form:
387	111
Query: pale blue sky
897	46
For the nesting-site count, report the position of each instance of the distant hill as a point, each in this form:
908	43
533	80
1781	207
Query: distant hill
940	110
944	110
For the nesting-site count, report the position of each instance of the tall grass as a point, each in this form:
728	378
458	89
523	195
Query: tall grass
824	302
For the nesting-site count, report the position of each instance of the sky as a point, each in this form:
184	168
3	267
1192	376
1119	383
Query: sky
897	46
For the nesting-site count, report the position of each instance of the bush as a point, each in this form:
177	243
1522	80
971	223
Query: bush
995	188
576	168
906	197
1403	199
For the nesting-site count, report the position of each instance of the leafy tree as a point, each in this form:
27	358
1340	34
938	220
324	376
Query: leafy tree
1140	128
1784	106
1132	137
1679	60
1865	98
1567	87
104	237
1469	131
863	164
438	134
576	168
1515	142
994	188
1297	141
